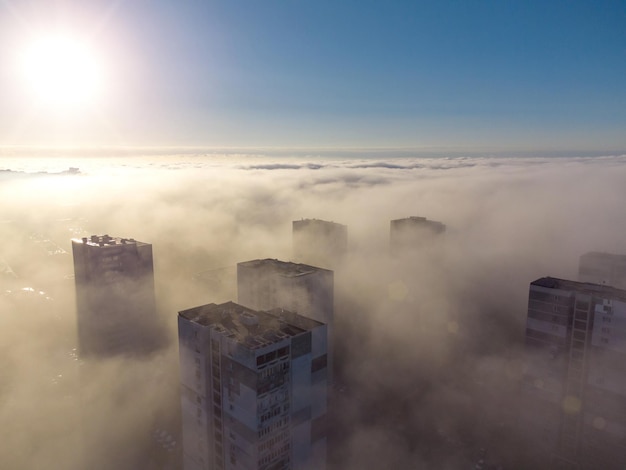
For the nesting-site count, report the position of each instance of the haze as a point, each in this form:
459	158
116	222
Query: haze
428	335
206	127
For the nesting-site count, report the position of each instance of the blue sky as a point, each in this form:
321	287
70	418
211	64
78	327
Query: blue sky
526	75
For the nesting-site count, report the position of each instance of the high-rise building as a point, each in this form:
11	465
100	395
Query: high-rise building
574	389
114	296
603	268
307	290
412	232
253	389
264	284
319	242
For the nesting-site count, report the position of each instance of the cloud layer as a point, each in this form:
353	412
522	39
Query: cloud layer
421	337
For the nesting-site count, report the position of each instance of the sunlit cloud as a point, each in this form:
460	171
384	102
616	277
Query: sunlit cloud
509	221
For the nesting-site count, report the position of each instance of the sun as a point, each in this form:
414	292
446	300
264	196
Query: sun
61	72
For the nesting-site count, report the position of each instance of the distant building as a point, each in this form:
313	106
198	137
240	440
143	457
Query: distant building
319	242
412	232
114	296
603	268
307	290
574	389
253	389
264	284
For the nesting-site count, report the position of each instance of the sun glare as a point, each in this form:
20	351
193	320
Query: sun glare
61	72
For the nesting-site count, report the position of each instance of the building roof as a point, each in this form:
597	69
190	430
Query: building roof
586	287
418	221
317	222
249	327
106	240
284	268
603	256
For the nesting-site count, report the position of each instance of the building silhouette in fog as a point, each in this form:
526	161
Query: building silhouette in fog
574	389
265	284
307	290
253	389
603	268
114	296
319	242
411	233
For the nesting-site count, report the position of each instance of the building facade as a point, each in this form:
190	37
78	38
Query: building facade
574	388
253	389
319	242
412	232
603	268
115	301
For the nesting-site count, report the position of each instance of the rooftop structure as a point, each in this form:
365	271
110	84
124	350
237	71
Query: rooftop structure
319	242
114	295
574	389
410	233
253	388
603	268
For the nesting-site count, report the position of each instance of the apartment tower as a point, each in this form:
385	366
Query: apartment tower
603	268
574	389
114	296
412	232
253	389
319	242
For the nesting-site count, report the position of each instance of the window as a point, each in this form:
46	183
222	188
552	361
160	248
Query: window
320	362
582	305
